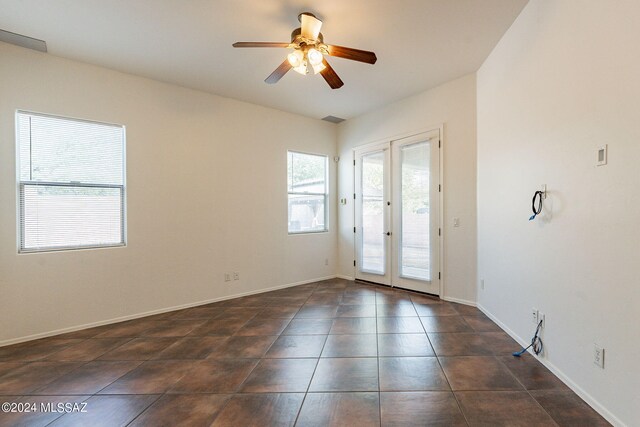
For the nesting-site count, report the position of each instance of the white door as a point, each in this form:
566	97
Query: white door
416	213
398	213
373	214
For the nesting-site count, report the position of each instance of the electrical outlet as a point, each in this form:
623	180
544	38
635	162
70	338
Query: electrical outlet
236	275
534	316
326	261
598	356
456	222
482	284
227	277
602	155
541	319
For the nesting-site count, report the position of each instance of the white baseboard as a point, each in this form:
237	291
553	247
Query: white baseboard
342	276
303	282
153	312
597	406
459	301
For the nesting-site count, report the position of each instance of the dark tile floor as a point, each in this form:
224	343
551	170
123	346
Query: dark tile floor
328	353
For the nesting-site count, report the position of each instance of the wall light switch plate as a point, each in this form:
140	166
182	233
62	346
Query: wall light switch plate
456	222
227	277
598	356
602	155
236	276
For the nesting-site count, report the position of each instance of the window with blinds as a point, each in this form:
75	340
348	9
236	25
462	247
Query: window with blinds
307	192
71	183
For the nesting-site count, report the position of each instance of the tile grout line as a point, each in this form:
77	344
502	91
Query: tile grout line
161	395
526	389
378	360
304	398
145	409
63	414
443	372
232	395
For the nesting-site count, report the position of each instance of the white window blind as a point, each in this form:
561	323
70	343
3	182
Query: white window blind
71	183
308	192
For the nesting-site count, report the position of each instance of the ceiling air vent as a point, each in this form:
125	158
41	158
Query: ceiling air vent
333	119
23	41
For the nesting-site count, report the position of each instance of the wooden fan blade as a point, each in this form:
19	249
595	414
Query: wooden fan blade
260	44
310	26
279	72
330	76
353	54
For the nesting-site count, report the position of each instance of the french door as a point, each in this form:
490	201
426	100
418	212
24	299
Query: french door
397	213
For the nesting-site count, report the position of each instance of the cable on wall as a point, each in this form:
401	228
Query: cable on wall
538	195
536	343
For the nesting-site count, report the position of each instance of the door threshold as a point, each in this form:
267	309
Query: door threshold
372	283
397	287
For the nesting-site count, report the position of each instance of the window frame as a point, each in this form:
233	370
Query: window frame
298	193
20	185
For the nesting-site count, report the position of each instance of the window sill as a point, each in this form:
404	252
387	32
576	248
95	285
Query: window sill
73	249
303	233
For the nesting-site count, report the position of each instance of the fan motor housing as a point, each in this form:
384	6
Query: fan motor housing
296	37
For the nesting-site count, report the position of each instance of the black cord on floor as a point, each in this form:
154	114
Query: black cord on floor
536	343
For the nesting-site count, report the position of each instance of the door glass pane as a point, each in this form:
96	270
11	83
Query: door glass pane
373	251
415	250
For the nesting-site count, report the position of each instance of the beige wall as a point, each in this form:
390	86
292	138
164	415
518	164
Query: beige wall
206	195
563	81
452	104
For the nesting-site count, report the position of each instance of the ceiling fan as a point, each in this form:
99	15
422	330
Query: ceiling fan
308	53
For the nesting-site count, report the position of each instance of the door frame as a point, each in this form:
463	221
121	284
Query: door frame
378	142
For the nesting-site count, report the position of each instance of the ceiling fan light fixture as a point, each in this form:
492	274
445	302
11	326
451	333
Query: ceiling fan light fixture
296	58
302	68
318	67
315	56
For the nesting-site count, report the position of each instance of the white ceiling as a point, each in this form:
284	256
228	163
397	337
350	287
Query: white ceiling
419	43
